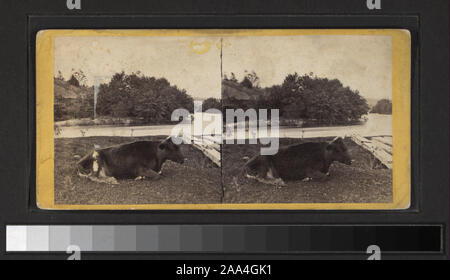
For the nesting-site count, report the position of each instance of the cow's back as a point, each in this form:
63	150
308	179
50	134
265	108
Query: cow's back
292	161
123	161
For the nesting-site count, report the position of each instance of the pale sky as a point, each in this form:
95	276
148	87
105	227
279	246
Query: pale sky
362	62
191	63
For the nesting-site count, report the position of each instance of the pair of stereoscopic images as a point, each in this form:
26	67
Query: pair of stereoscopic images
223	119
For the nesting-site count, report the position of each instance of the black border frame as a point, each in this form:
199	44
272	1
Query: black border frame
430	93
411	23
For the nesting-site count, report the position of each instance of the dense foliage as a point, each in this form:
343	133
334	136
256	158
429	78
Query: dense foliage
383	106
307	97
152	100
211	103
138	96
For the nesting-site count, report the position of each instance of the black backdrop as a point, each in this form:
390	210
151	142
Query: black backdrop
427	21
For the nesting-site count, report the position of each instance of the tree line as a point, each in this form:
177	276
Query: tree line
148	99
307	97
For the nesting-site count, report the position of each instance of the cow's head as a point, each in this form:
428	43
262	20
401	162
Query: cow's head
338	151
169	150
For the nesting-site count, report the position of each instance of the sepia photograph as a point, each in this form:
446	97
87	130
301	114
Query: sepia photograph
114	99
223	119
222	130
334	97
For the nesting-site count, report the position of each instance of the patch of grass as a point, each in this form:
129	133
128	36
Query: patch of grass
194	182
198	180
362	182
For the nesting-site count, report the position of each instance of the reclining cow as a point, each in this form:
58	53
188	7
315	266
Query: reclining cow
137	160
305	161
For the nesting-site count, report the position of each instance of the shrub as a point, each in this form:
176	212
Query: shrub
383	106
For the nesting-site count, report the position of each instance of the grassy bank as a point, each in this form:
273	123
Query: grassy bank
198	180
195	181
365	181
